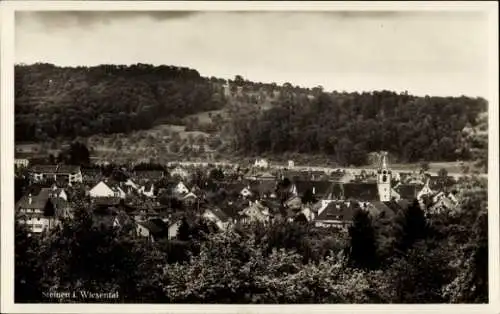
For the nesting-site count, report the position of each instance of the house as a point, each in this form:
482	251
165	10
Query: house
180	188
153	229
337	214
107	189
254	212
149	175
147	190
246	192
69	173
308	213
57	192
111	217
261	163
294	202
443	204
354	191
341	176
265	176
294	175
173	228
407	191
190	199
318	188
37	211
91	175
425	191
179	172
218	217
291	164
21	162
132	184
43	172
264	188
317	175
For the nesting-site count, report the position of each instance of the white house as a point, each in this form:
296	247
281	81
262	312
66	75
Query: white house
21	162
102	189
218	217
173	229
180	172
261	163
132	184
426	190
59	193
147	190
291	164
181	188
245	192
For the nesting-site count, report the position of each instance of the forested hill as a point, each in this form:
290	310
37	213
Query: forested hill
63	101
348	126
257	118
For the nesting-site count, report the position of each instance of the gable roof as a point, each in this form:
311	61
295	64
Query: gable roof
155	226
44	169
263	186
68	169
219	214
379	208
38	200
337	210
361	191
408	191
149	174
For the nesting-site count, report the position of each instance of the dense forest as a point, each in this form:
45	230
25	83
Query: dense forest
349	126
262	119
55	101
406	258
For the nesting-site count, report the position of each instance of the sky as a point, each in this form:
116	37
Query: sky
424	53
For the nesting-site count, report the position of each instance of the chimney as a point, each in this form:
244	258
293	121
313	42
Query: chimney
30	199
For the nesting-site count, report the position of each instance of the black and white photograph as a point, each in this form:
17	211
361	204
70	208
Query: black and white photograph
251	157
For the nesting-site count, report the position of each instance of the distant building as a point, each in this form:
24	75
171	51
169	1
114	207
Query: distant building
291	164
106	189
63	173
261	163
21	162
37	211
180	172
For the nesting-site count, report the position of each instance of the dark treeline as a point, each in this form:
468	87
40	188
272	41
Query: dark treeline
56	101
351	125
67	102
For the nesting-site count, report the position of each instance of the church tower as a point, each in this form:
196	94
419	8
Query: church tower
384	176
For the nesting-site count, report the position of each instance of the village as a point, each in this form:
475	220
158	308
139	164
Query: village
155	201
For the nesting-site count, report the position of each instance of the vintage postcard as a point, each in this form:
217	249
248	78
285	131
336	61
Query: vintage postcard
249	157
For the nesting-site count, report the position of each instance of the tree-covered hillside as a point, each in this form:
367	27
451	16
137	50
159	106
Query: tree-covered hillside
348	126
257	118
62	101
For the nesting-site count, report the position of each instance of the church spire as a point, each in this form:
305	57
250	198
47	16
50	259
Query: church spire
384	178
383	161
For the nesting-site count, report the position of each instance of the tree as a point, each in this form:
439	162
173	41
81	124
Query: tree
424	167
27	270
77	154
183	233
308	197
216	174
413	226
362	249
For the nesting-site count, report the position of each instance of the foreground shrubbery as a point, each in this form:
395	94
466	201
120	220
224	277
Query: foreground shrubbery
443	258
